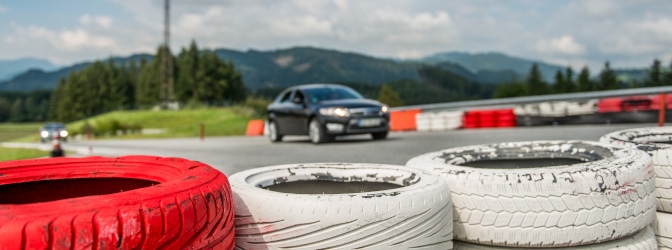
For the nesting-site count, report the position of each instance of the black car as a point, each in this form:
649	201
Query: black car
324	111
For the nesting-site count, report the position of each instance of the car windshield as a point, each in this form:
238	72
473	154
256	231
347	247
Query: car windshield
54	126
331	93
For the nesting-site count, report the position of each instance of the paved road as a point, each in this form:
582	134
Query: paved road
233	154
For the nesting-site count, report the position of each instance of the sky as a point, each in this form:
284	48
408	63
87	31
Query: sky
577	33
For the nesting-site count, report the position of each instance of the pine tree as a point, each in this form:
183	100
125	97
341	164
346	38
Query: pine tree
608	79
667	79
559	85
535	82
569	78
655	75
584	81
389	97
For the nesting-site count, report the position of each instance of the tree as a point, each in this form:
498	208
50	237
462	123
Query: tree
559	85
535	82
187	84
584	81
608	80
569	78
667	78
512	89
389	97
655	75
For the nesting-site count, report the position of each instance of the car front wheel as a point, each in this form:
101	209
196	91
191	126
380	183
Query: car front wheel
316	132
273	134
379	135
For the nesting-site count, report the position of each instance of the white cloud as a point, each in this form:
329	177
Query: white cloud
2	9
100	21
561	45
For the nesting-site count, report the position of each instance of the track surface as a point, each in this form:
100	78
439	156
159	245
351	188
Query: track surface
234	154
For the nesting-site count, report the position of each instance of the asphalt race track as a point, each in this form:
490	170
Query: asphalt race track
234	154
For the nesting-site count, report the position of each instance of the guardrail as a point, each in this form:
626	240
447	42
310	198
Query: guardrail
510	102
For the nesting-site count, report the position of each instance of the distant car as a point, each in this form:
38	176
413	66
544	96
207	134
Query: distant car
53	129
324	111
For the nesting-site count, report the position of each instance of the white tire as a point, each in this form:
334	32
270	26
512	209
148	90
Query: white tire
654	142
643	240
605	198
663	229
416	215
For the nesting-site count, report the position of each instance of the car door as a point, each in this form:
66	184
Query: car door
280	112
299	113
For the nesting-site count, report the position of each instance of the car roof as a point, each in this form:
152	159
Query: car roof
319	85
54	124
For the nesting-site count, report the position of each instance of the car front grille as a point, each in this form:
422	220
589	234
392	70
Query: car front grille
366	112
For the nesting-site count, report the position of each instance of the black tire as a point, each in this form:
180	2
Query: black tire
273	134
316	132
379	135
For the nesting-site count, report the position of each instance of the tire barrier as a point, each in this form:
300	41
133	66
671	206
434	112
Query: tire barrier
557	109
131	202
643	240
610	105
489	118
655	141
255	128
663	230
403	120
439	121
535	194
341	206
655	102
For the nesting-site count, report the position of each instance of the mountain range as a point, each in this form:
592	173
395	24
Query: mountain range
11	68
300	65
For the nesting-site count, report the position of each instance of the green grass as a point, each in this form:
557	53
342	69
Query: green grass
7	154
181	123
13	131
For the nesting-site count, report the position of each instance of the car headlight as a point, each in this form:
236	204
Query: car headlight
44	134
64	133
384	108
340	112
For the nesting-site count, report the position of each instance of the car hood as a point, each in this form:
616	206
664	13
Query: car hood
350	103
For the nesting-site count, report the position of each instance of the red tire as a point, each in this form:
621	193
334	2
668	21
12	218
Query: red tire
131	202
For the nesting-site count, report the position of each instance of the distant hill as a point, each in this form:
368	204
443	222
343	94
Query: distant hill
277	69
11	68
493	64
300	65
34	79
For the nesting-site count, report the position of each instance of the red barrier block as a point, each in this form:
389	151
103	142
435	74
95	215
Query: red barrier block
255	128
636	103
655	102
608	105
397	120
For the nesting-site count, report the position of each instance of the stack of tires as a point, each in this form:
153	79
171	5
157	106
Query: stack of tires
656	142
438	121
132	202
541	194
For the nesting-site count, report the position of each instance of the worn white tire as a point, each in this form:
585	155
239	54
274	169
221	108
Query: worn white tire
417	215
654	142
605	198
663	230
643	240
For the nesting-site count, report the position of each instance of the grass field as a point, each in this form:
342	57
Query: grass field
7	154
182	123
